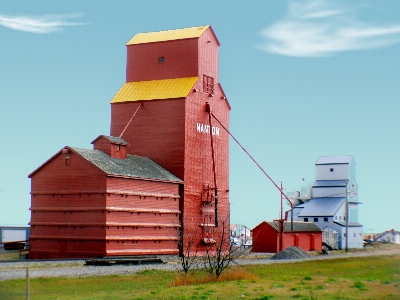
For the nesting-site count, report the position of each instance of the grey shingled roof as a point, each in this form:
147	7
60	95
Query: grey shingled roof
132	166
116	140
321	207
328	160
297	226
112	139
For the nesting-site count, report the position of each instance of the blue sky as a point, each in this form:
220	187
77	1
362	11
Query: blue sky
304	79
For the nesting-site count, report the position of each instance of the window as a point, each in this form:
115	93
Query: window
340	217
305	219
331	169
355	234
344	218
208	84
325	219
161	60
118	148
315	219
67	159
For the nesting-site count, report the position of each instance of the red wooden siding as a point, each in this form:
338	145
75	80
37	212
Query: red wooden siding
83	212
78	177
73	209
208	55
180	60
267	239
113	150
156	132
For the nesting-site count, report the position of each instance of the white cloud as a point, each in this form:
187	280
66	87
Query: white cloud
39	24
317	28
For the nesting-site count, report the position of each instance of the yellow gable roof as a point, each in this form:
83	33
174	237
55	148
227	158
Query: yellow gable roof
167	35
155	89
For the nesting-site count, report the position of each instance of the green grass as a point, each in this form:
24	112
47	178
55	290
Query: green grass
9	255
375	277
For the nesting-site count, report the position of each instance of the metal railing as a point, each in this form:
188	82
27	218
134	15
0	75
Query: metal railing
21	246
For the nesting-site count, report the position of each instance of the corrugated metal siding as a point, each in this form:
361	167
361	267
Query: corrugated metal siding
322	207
155	89
167	35
327	160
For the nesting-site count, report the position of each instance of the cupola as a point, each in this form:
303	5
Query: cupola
113	146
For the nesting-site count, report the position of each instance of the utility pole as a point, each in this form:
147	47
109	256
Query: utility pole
347	218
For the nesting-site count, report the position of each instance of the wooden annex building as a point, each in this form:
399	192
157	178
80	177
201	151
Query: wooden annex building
266	237
164	165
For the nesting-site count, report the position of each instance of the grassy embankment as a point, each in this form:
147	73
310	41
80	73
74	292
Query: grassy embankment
376	277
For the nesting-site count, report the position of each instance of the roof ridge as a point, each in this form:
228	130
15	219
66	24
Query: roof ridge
168	35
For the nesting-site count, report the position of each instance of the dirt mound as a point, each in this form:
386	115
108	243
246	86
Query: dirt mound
291	253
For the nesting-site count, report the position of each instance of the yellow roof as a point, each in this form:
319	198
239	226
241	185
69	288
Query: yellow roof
155	89
168	35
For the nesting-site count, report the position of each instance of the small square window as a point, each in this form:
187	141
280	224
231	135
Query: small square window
315	219
161	60
305	219
325	219
331	169
340	218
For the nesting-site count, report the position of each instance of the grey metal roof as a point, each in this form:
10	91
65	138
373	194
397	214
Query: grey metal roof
321	207
113	139
297	226
350	224
329	183
132	166
327	160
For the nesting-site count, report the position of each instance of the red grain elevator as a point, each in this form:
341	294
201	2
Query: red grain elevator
171	76
165	164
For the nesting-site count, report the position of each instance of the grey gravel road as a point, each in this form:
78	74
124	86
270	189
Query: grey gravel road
77	268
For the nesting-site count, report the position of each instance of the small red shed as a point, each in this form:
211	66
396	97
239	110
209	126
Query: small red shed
102	202
266	237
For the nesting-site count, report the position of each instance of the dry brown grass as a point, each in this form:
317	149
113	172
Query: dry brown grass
203	278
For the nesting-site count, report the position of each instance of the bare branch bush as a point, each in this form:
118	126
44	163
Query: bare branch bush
223	253
188	248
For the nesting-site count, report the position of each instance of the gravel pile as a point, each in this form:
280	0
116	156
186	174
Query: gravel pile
291	253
